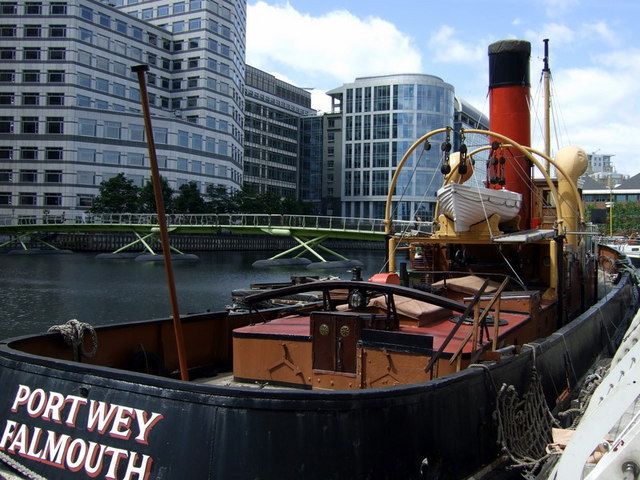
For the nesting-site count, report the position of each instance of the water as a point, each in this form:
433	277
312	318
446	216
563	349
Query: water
38	291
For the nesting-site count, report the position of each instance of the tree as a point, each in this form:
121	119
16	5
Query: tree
220	200
189	199
117	195
148	199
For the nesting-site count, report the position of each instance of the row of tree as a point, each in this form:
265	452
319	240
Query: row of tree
120	195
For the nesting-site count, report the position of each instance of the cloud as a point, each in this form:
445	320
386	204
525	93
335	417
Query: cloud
559	34
559	7
335	47
599	105
447	48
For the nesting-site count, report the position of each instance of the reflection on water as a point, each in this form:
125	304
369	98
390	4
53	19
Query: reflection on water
37	291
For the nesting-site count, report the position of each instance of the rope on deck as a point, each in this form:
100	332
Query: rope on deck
73	333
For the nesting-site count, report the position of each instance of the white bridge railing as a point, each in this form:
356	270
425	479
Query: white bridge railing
231	220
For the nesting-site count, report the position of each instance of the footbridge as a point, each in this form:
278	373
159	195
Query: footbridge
309	231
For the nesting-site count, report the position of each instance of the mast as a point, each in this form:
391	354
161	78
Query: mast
141	70
546	76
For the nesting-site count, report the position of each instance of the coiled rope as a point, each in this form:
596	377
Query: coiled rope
73	333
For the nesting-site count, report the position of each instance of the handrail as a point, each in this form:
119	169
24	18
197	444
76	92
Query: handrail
230	220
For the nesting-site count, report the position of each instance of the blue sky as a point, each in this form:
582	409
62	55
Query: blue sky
594	55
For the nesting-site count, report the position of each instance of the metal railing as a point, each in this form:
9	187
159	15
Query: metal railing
228	220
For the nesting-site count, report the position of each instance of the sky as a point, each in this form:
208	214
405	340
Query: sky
594	54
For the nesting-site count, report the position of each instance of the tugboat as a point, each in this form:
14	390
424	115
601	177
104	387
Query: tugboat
375	380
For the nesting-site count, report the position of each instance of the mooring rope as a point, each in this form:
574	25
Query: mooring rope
73	333
18	467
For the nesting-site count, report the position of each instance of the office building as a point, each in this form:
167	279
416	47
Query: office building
70	114
274	109
381	118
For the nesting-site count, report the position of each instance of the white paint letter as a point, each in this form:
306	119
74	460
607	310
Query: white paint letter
121	423
53	410
21	397
117	453
142	471
145	425
9	430
73	411
98	416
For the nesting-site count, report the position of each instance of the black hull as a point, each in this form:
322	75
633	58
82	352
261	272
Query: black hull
209	432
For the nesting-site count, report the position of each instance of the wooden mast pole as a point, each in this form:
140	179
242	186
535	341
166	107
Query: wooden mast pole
140	70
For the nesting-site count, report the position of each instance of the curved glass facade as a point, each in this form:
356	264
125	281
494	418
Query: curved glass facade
383	116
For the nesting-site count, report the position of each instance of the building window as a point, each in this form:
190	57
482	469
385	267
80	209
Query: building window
147	13
57	53
6	176
58	8
193	62
83	101
111	157
85	35
84	200
29	153
30	98
135	159
136	133
29	198
112	130
183	138
6	153
195	24
118	89
55	76
55	125
32	30
86	155
102	63
8	53
84	80
53	176
6	125
86	178
31	53
136	33
86	13
194	42
57	31
178	7
102	85
119	68
104	20
6	99
28	176
7	76
183	164
87	127
163	10
53	154
53	199
8	8
31	76
192	102
29	124
33	8
7	30
121	26
55	98
5	198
